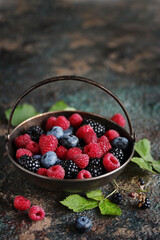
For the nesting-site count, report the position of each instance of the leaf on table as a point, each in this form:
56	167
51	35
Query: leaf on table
156	166
21	113
58	106
78	203
96	195
143	148
109	208
143	164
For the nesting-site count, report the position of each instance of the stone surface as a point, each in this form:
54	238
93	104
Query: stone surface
113	42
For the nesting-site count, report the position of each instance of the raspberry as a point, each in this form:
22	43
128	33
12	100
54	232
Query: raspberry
22	151
111	134
82	160
72	153
84	174
105	147
50	123
22	140
119	119
93	150
82	130
98	128
90	137
42	171
75	120
103	139
48	143
61	152
110	162
62	122
29	163
35	132
56	171
33	147
21	203
36	213
132	195
117	198
71	169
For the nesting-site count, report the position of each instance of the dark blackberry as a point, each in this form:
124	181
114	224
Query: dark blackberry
118	153
146	204
71	169
141	181
29	163
95	167
35	132
117	198
97	127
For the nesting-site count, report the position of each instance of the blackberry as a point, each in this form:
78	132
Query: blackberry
141	181
71	169
95	167
117	198
97	127
118	153
35	132
29	163
145	205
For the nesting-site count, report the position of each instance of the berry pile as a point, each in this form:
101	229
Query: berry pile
71	148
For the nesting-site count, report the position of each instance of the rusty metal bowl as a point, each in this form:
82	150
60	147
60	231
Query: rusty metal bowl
67	185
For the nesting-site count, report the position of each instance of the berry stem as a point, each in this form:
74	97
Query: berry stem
118	187
115	190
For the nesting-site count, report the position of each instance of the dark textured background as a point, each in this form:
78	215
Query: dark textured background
113	42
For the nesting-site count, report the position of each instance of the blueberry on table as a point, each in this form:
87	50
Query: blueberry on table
69	141
120	142
49	159
83	224
56	131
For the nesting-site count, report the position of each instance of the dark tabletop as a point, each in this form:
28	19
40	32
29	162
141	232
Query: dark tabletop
116	43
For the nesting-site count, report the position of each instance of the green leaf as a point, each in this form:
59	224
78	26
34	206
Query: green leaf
143	148
156	166
143	164
78	203
96	195
58	106
21	113
109	208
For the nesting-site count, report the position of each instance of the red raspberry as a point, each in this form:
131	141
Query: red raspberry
90	137
22	140
62	122
56	172
84	129
48	143
111	134
105	147
119	119
42	171
84	174
50	123
22	151
103	139
75	120
110	162
21	203
93	150
73	152
61	152
33	147
36	213
82	160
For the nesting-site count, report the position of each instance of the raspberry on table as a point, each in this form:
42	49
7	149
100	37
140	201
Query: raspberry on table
98	128
33	147
95	167
61	152
119	119
93	150
35	132
29	163
42	171
105	147
36	213
22	151
75	120
83	174
22	140
82	160
71	169
90	137
118	153
117	198
82	130
56	171
48	143
111	134
72	153
110	162
21	203
50	123
103	139
62	122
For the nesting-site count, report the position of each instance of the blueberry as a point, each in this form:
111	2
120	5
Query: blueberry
69	141
56	131
38	157
120	142
48	159
83	224
69	131
58	161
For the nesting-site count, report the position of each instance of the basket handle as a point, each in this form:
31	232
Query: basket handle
65	78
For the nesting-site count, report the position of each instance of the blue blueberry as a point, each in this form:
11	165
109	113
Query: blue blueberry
69	141
83	224
58	161
120	142
49	159
56	131
69	131
38	157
